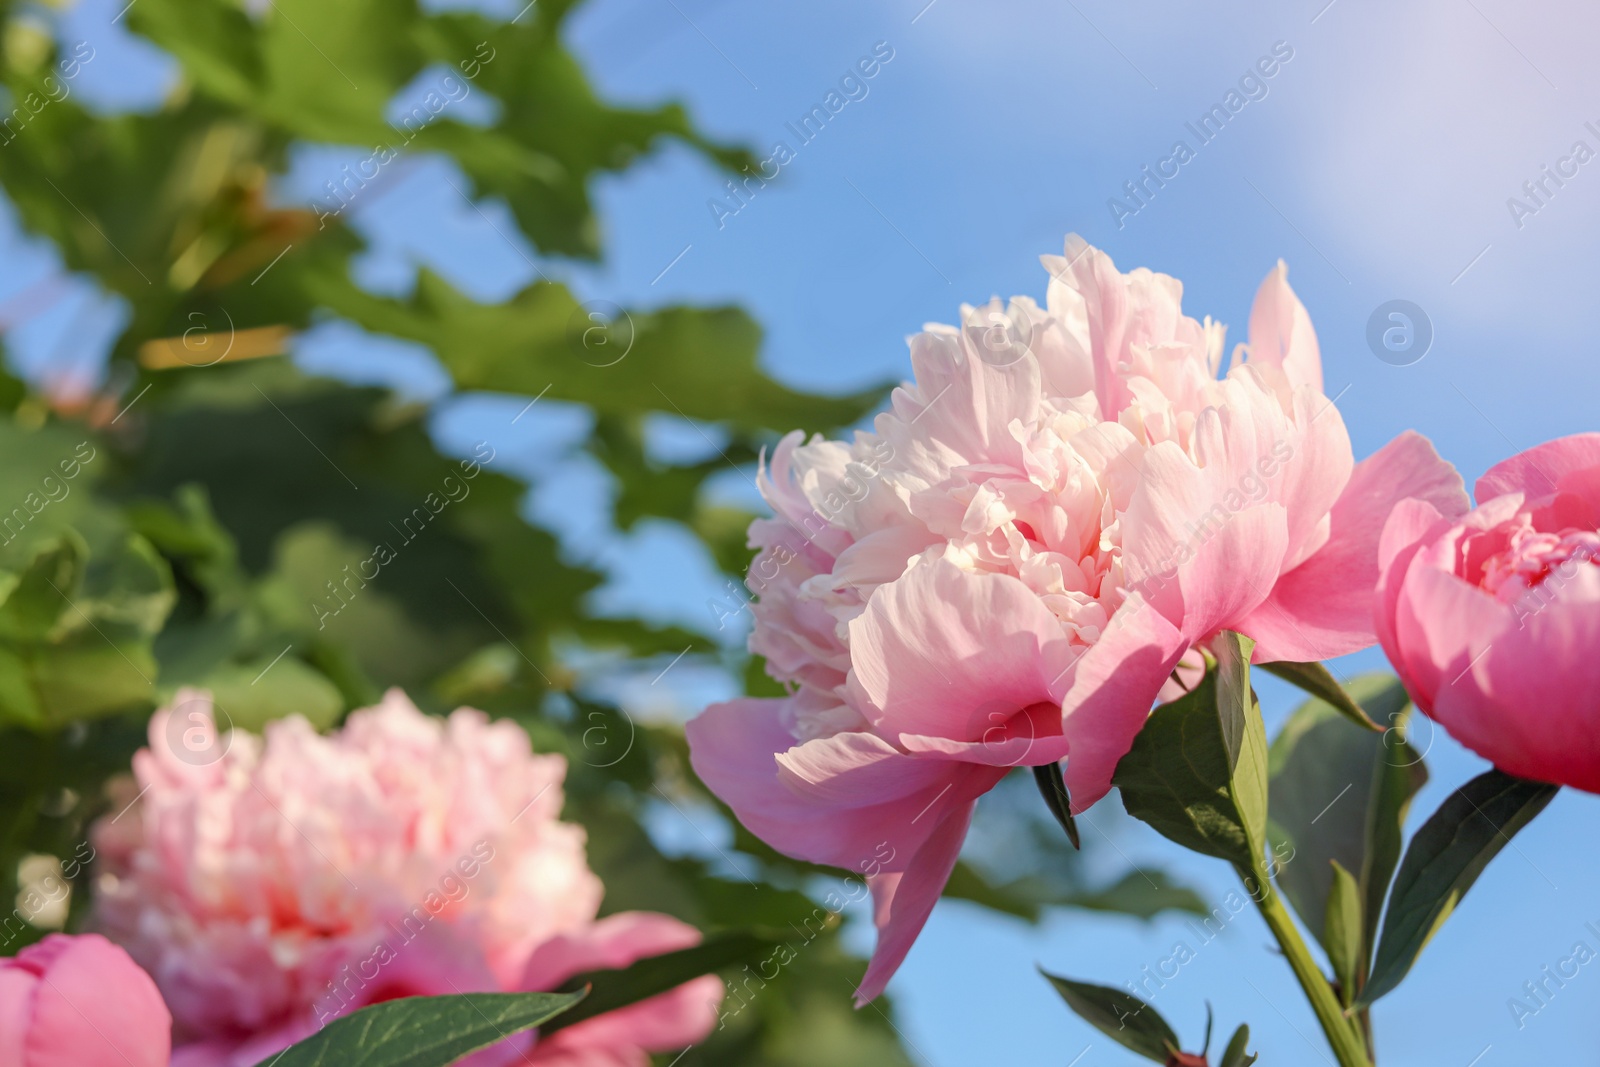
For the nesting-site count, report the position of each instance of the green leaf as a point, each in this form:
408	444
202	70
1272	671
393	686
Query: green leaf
1244	734
1316	679
19	702
1339	794
1234	1055
1342	931
1054	790
1143	893
653	975
76	626
694	363
1121	1016
423	1031
126	583
214	42
42	592
1448	853
1398	775
90	675
1196	770
255	693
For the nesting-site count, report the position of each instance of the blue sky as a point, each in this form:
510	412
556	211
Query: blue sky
1378	162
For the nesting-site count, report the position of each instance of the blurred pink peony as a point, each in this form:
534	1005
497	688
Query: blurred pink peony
1008	570
271	884
1493	618
80	1002
620	1038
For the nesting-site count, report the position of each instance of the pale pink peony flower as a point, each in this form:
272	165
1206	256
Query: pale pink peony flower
271	884
80	1002
1492	619
1008	570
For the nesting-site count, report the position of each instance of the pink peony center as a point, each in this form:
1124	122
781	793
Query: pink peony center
1530	556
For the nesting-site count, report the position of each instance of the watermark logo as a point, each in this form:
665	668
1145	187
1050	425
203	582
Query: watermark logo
600	739
601	333
999	337
201	346
1399	332
194	733
1408	739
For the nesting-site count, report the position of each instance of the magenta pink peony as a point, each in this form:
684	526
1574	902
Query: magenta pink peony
1493	618
1009	569
271	884
80	1002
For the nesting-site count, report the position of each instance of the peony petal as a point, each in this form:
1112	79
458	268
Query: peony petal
1536	715
855	770
16	1011
904	900
1442	626
1205	565
668	1021
1566	463
1324	607
1032	738
1011	752
605	944
958	410
946	653
734	748
1281	334
1118	312
1113	688
1411	526
93	1007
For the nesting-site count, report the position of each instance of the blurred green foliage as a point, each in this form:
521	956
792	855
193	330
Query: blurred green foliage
298	544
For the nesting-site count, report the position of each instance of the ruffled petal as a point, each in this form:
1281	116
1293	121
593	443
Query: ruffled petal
1204	564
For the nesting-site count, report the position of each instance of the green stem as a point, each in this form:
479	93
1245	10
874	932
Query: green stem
1341	1031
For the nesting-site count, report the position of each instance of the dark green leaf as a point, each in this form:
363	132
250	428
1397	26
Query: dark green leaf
1448	853
1339	794
1121	1016
1397	777
423	1031
1316	679
1054	790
